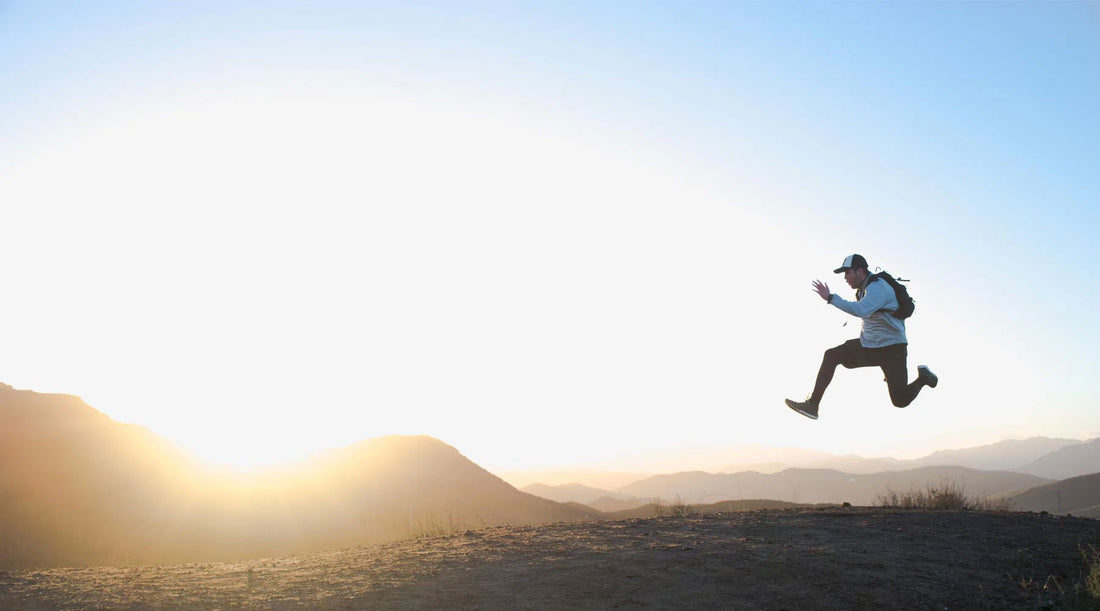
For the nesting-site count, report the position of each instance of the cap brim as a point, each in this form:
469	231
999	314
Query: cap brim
841	270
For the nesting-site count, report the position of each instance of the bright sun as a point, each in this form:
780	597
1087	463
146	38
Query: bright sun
275	274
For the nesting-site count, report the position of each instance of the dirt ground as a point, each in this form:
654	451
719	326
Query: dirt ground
824	558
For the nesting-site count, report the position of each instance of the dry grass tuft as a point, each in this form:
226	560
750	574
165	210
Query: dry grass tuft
676	509
1053	594
432	525
947	495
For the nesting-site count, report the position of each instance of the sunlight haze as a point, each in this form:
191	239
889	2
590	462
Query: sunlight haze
576	235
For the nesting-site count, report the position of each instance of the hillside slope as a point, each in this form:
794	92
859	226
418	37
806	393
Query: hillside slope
77	488
1079	496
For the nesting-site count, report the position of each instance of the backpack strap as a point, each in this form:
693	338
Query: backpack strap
875	278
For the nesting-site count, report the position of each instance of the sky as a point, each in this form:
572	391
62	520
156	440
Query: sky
552	235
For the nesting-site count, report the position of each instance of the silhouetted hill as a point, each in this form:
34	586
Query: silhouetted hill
822	485
77	488
1069	461
424	482
1077	495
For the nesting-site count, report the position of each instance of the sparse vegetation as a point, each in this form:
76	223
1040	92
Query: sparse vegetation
676	509
947	495
1081	595
1086	593
431	525
1091	556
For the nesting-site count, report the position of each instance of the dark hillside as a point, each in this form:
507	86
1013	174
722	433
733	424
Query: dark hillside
77	488
1075	495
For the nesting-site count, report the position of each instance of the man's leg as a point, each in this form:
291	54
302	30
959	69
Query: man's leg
847	354
895	368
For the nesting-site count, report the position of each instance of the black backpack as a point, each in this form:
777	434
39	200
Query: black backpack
905	302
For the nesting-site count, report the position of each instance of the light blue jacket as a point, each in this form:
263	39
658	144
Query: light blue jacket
874	302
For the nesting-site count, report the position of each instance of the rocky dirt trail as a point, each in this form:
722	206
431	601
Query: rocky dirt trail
824	558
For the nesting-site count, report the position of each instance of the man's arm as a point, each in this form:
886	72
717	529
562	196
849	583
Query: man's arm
877	297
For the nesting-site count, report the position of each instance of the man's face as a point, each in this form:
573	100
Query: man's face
855	277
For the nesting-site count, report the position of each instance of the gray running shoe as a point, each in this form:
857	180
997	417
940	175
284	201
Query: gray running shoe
807	408
930	378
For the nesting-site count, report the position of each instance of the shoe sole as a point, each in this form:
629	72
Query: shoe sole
933	379
804	413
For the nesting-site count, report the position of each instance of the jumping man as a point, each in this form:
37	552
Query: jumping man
882	342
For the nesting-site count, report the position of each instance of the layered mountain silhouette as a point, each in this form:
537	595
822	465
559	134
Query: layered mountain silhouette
576	493
858	479
801	486
77	488
822	485
1068	461
595	498
1008	455
1079	496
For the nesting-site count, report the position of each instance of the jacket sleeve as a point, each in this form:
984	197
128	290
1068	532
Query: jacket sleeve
877	297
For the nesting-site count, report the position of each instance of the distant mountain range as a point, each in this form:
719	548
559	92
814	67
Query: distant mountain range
999	469
1019	455
1010	455
575	493
822	485
77	488
1066	462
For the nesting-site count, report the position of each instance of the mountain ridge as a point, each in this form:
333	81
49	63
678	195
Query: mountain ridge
1079	496
77	488
1066	462
1058	458
822	485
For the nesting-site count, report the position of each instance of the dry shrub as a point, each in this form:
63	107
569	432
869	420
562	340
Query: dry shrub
676	509
1090	587
433	525
1053	595
946	495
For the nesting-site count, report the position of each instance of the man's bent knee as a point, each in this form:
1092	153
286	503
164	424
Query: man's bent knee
901	396
901	401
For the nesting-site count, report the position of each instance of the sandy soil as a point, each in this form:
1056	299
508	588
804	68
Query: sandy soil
839	558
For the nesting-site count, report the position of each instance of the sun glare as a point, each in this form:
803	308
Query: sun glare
278	274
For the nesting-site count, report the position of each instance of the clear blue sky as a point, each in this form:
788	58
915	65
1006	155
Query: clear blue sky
548	233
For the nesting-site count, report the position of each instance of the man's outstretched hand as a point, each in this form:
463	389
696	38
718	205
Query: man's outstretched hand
822	289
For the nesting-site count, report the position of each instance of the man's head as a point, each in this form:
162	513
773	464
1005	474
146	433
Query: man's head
854	269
